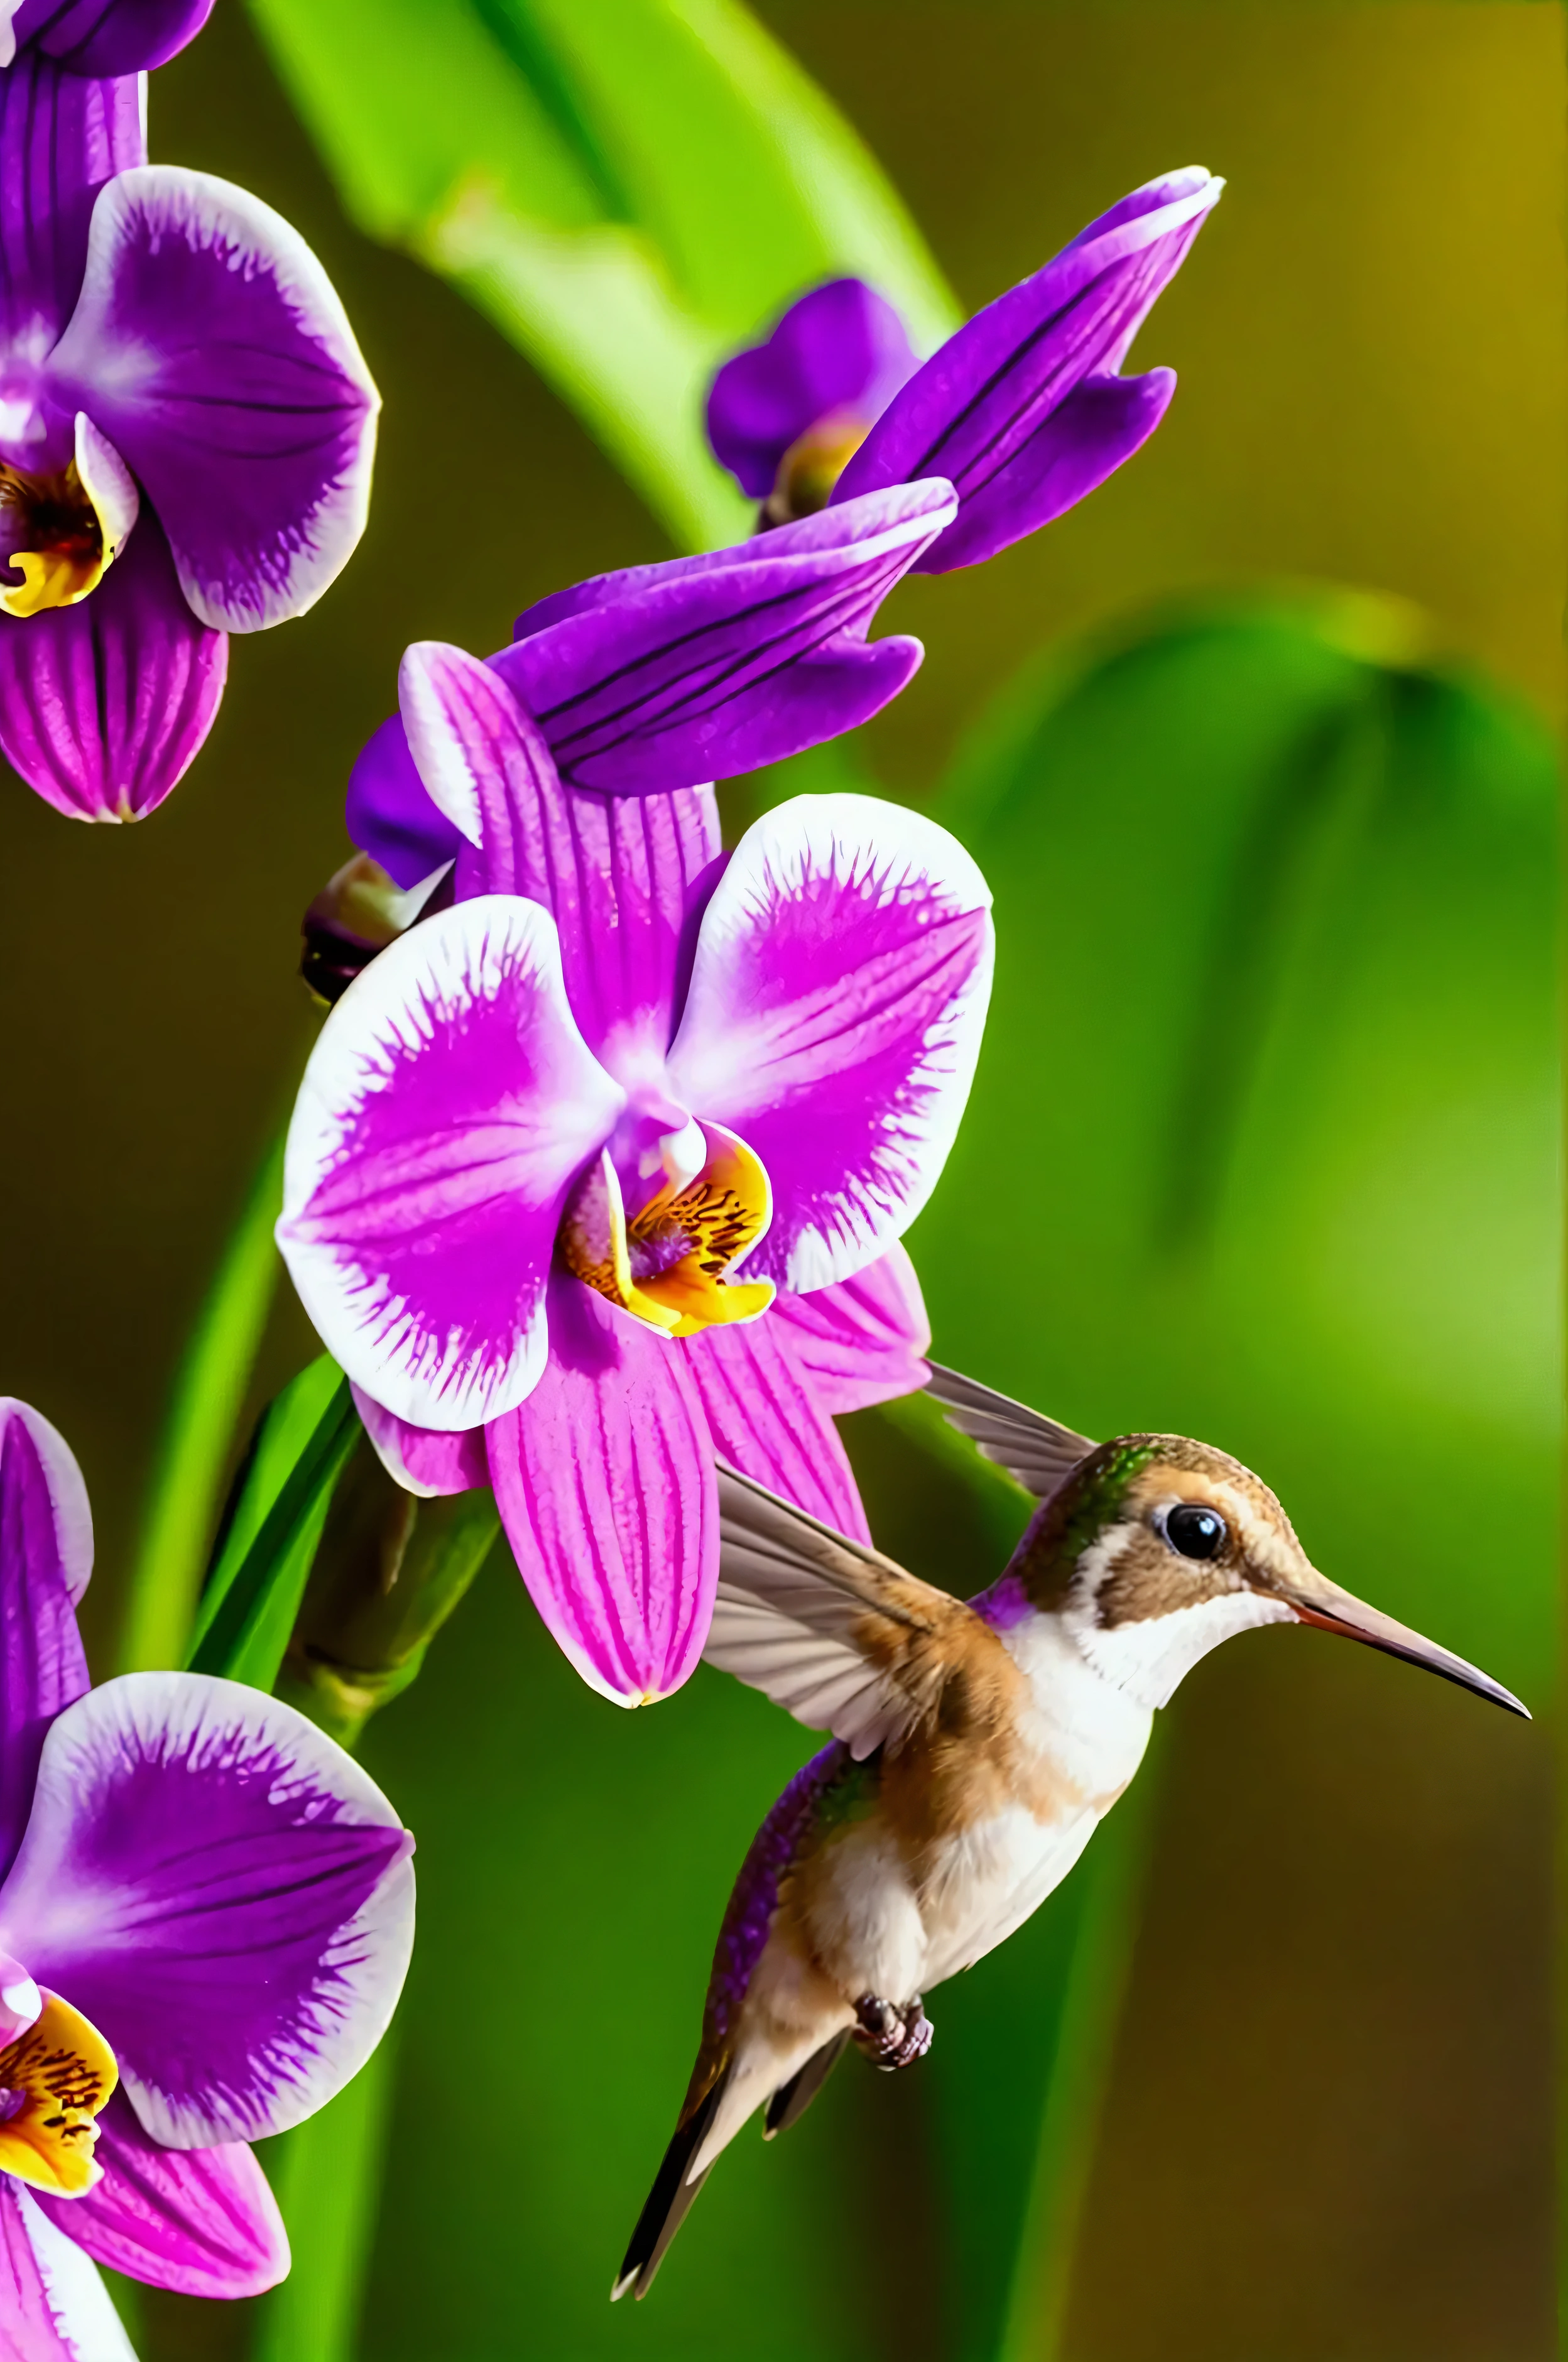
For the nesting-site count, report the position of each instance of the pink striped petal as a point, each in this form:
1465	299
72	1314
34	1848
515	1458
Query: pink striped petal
768	1419
104	706
862	1341
201	2221
29	2328
46	1557
53	2306
834	1020
621	876
605	1483
443	1113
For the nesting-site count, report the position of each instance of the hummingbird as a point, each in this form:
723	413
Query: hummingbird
976	1745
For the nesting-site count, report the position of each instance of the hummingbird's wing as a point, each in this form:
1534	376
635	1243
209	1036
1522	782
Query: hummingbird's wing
1037	1452
845	1639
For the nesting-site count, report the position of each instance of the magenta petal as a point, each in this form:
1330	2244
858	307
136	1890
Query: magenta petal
390	812
840	348
862	1341
203	2222
446	1110
210	347
109	37
421	1459
46	1556
1003	383
767	1420
1093	432
479	755
29	2325
834	1020
223	1892
605	1483
104	705
62	136
618	874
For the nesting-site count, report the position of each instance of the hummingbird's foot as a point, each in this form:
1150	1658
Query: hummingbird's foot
891	2035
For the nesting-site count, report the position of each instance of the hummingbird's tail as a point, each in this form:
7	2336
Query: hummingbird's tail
670	2200
792	2099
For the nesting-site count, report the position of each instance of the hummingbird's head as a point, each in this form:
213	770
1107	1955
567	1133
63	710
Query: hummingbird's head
1156	1548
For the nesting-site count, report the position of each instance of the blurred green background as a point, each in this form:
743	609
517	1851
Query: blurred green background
1266	1095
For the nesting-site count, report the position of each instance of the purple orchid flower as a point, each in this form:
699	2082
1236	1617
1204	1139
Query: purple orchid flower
186	423
1025	410
673	676
608	1160
205	1917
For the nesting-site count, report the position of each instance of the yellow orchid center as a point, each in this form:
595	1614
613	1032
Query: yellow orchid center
667	1266
60	532
812	466
54	2078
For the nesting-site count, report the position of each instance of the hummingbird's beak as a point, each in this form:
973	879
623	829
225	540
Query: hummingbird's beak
1323	1603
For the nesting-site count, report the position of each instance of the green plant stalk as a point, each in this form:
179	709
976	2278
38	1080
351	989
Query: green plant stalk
386	1574
327	2176
389	1572
209	1394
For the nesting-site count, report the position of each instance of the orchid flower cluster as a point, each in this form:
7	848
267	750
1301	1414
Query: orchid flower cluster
601	1166
599	1169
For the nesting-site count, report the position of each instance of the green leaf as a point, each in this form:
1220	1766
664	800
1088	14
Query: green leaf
327	2176
1269	1094
279	1509
628	191
209	1394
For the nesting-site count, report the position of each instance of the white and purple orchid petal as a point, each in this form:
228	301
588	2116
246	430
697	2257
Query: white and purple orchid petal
62	136
424	1460
223	1892
466	732
103	705
209	345
623	876
841	347
996	397
861	1342
671	676
769	1421
103	36
604	1482
445	1112
53	2306
203	2222
834	1020
46	1557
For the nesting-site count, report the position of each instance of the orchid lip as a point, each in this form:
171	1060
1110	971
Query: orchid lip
54	2078
668	1264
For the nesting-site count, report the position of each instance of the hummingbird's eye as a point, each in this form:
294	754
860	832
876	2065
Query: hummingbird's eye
1195	1532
